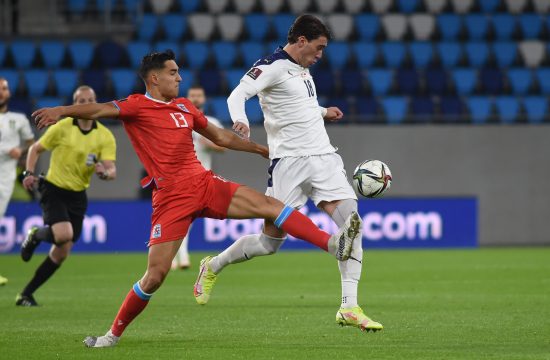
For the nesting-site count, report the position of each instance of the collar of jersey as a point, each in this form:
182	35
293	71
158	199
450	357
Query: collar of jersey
148	96
280	49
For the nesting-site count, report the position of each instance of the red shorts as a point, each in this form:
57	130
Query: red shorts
177	205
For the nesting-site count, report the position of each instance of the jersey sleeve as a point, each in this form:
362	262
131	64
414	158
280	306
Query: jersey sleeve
108	150
261	77
25	131
52	136
128	107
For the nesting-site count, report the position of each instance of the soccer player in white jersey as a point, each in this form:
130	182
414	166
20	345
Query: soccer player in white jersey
304	164
14	129
204	149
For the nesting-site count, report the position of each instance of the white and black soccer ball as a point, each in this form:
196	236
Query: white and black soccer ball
372	178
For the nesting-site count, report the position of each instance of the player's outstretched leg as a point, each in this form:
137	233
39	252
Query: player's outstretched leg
357	318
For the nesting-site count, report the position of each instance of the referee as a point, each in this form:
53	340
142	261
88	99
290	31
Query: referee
79	148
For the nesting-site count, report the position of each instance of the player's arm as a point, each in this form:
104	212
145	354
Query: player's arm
49	116
106	169
210	146
32	157
230	140
331	113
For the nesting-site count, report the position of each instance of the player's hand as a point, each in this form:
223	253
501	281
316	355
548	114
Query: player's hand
15	153
334	114
46	116
101	171
29	181
242	130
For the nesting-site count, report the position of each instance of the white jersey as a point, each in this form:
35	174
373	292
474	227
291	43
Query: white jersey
14	128
203	153
293	119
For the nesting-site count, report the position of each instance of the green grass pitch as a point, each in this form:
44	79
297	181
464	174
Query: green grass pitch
450	304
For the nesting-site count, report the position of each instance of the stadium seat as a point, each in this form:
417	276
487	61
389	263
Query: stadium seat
325	6
49	102
530	25
395	26
123	81
233	77
407	6
367	108
365	53
271	6
368	26
216	6
219	108
422	109
95	79
507	108
476	26
147	27
532	52
353	6
381	6
520	80
81	52
491	81
132	7
230	26
436	81
480	108
244	6
542	6
395	109
77	7
351	81
161	7
23	53
489	6
435	6
211	81
450	26
423	26
251	52
52	53
281	24
324	81
393	53
341	26
407	81
187	79
202	26
477	53
136	51
504	26
110	54
421	53
543	78
515	6
462	6
338	54
505	53
189	6
13	79
65	81
174	26
465	80
380	81
21	104
160	46
253	110
449	53
36	82
299	6
536	108
225	53
452	108
257	26
196	54
341	103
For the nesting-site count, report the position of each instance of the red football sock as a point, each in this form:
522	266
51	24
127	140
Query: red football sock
133	305
298	225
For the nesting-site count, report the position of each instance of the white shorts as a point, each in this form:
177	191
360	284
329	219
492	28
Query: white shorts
320	177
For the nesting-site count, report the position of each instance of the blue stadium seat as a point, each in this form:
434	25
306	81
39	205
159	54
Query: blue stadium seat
504	26
393	53
436	81
233	77
343	104
536	108
380	81
52	53
491	81
81	52
111	54
36	82
543	78
477	53
489	6
407	6
123	81
251	52
165	45
449	53
521	80
365	54
23	53
480	108
65	81
187	79
422	108
281	24
49	101
395	108
21	104
449	26
189	6
507	108
95	79
531	25
225	53
324	81
147	27
257	26
338	54
367	108
77	6
219	108
211	81
13	79
465	80
408	81
368	26
253	110
174	26
132	7
196	54
351	81
136	51
476	26
421	53
2	53
452	108
505	53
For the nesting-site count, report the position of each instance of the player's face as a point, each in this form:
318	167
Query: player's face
4	92
85	96
197	97
312	51
169	79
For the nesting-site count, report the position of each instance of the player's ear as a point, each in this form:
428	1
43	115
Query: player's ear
154	77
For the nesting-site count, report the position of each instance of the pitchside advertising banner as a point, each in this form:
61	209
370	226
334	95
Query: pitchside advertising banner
387	223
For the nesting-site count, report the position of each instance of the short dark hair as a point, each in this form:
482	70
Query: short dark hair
308	26
155	61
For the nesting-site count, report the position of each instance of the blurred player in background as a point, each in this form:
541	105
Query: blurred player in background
159	126
204	149
15	128
79	148
304	164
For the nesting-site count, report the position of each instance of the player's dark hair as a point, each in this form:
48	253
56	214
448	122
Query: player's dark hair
155	61
308	26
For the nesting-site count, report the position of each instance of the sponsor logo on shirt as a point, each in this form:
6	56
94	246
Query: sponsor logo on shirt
254	73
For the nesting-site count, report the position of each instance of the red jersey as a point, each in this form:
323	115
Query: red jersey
161	133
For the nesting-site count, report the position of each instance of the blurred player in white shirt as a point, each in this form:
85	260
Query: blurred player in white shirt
304	164
204	149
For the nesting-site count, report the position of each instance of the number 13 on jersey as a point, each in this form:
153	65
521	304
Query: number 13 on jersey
179	119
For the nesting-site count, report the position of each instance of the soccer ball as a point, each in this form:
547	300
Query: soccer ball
372	178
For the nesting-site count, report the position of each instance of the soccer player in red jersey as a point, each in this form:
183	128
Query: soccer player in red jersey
160	127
